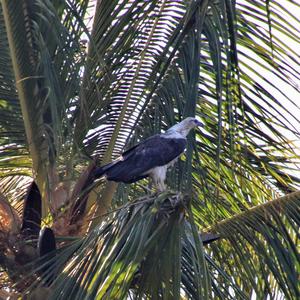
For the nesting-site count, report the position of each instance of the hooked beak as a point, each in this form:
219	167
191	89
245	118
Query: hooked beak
199	124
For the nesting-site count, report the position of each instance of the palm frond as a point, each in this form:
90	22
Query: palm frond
147	65
260	248
13	144
46	73
130	255
152	248
14	188
242	138
17	29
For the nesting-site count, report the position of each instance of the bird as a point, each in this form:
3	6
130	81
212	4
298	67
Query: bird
151	157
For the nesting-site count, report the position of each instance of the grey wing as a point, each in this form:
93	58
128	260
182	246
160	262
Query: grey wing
137	161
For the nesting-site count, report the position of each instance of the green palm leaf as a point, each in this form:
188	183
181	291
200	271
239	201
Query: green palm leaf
270	231
129	254
69	93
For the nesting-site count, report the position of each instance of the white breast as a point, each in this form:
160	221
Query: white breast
158	174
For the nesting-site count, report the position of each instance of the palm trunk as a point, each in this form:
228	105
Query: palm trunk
24	62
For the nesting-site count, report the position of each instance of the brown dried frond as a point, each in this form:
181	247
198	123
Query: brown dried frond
9	219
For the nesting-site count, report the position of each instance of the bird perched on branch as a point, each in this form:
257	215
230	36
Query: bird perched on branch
150	158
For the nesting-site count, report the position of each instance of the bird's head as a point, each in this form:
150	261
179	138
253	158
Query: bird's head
184	127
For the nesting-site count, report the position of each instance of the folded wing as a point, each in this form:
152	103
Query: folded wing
136	162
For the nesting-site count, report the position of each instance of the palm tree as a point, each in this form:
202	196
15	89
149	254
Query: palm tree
80	81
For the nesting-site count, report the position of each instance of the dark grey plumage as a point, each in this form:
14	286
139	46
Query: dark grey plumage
136	162
150	158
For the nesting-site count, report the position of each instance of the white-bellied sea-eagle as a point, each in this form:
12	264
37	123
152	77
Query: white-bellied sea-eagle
150	158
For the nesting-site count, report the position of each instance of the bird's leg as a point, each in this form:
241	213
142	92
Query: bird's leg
155	183
150	182
161	187
147	189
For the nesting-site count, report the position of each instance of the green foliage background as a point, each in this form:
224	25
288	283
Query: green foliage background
83	80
